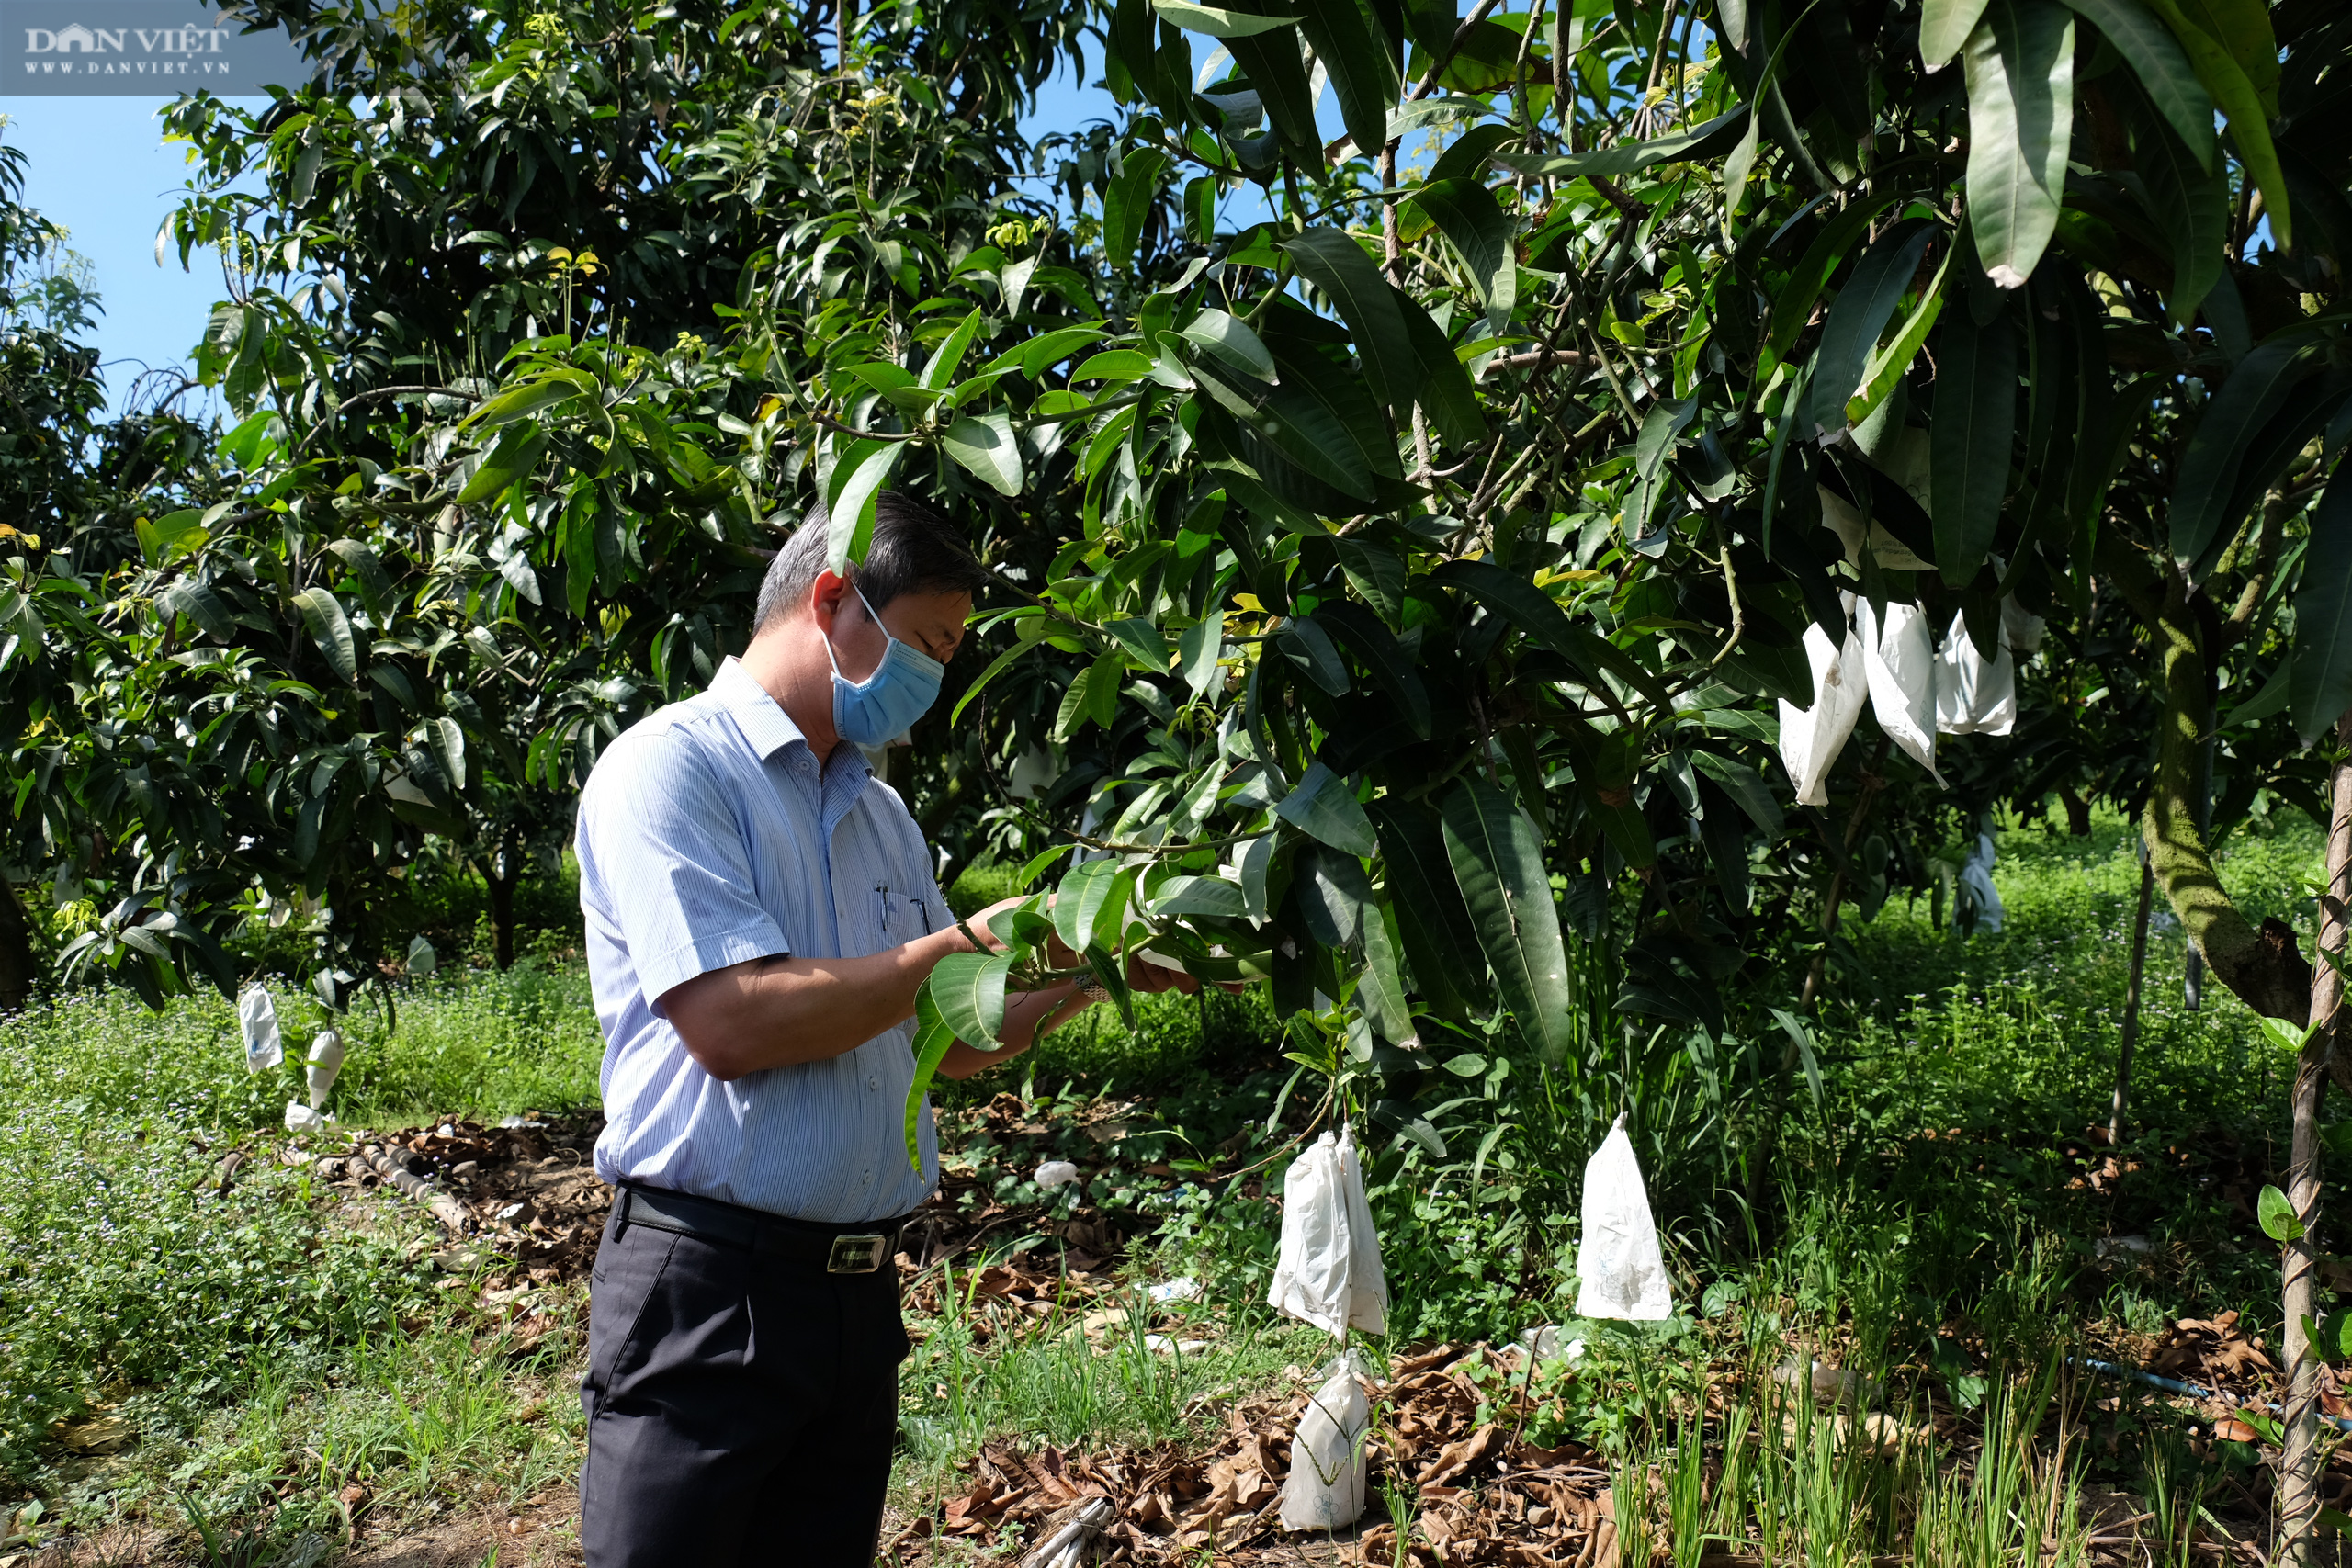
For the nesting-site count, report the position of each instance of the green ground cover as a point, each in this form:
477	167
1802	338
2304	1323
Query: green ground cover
258	1356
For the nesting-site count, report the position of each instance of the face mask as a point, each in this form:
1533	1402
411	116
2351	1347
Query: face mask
886	703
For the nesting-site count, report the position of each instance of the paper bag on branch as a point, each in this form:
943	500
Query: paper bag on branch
258	1022
1328	1273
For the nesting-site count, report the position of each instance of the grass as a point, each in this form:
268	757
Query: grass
269	1358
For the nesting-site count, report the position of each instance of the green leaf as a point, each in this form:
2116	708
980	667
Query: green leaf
331	629
968	989
1142	639
1539	616
1745	785
1308	646
1197	651
1355	50
1801	1041
1499	865
2278	1216
1889	364
1470	153
556	388
1201	896
1319	418
1712	140
2240	104
2164	70
1466	213
1335	264
1324	807
940	374
857	480
933	1039
2191	206
510	457
448	750
1944	26
2321	681
1332	892
1275	68
2020	68
1860	315
986	447
1216	23
2207	483
1969	443
1380	991
1230	338
1385	657
2242	29
198	603
1086	895
1792	306
1430	916
1448	397
374	584
1742	157
1128	203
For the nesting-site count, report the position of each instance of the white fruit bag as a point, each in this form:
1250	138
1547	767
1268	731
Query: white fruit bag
257	1021
1325	1491
1620	1271
326	1061
1899	657
1329	1273
1812	738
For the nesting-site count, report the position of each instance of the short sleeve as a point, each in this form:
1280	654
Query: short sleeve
664	863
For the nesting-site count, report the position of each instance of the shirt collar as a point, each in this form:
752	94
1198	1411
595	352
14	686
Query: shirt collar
764	722
757	714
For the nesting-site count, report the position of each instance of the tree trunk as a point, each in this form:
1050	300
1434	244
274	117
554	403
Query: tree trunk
2078	813
2299	1466
17	962
502	872
2131	1005
2264	967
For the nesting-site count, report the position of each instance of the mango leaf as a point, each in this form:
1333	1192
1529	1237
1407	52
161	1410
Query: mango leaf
1860	315
1271	61
2208	479
969	989
857	480
1431	917
940	374
2162	67
1380	991
1969	443
1230	339
1201	896
1335	264
1216	23
1712	140
2020	67
1745	785
197	603
1087	893
933	1039
1466	213
1128	203
449	743
2240	104
1354	48
1324	807
1333	894
548	391
1499	865
986	447
1792	306
513	455
1448	397
1197	651
331	629
2320	683
2191	206
1944	26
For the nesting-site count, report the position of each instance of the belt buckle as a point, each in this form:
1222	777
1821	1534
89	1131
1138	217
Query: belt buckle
855	1254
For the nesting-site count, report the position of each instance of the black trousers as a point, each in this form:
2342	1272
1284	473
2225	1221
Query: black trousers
741	1407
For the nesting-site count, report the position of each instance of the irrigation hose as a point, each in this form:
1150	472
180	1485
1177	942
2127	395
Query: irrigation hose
2187	1389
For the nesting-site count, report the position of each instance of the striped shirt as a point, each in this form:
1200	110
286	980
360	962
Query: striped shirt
709	836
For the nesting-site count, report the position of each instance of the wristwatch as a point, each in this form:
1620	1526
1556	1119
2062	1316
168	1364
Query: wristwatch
1092	989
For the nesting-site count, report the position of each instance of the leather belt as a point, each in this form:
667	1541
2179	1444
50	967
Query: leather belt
859	1249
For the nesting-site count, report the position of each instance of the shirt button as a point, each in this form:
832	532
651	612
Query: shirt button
867	1180
874	1081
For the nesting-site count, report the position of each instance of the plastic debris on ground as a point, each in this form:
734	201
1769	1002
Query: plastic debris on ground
1328	1273
1621	1273
258	1022
1056	1173
301	1118
1543	1343
1812	738
1325	1489
325	1063
1183	1288
1976	888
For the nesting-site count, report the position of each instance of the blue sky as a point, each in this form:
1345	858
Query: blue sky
100	168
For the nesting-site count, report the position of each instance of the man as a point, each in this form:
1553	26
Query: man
761	912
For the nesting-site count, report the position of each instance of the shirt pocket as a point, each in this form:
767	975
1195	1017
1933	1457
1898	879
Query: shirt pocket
901	917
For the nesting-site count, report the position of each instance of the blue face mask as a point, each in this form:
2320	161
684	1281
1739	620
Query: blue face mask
886	703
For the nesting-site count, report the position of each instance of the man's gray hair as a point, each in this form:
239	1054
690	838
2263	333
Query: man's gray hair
916	549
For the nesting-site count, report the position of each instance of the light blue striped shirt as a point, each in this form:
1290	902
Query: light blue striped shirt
707	837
